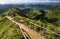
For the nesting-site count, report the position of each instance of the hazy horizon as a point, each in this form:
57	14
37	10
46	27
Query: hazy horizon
26	1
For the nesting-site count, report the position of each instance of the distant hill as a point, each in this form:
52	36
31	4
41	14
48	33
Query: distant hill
24	6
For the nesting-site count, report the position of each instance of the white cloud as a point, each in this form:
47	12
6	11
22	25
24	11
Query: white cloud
18	1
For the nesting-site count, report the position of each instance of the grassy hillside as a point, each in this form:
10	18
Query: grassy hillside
9	30
49	19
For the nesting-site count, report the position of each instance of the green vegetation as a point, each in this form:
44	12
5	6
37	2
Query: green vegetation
49	19
9	30
33	13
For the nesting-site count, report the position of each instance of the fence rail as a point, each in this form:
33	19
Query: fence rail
45	29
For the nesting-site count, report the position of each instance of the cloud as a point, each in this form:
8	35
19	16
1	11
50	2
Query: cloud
18	1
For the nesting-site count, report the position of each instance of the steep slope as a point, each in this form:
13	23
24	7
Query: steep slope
9	30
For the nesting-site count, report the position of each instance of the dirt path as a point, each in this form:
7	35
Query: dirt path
33	34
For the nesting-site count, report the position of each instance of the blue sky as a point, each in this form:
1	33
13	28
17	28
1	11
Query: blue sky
22	1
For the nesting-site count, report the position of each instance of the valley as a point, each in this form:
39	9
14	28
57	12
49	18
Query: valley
49	19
